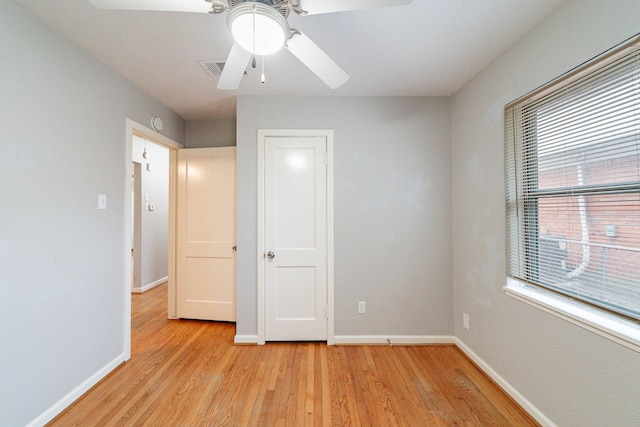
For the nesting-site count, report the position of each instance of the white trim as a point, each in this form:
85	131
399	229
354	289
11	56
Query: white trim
394	339
260	243
78	391
330	243
246	339
260	313
614	328
529	407
151	285
172	302
142	130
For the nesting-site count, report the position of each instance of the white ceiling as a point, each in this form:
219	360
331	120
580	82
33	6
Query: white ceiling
428	48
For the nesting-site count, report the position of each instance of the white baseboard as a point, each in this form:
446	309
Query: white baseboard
74	394
508	388
148	286
394	339
371	339
245	339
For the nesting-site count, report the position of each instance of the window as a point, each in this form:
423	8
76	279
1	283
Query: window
572	161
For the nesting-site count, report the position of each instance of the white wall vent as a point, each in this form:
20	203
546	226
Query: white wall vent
212	68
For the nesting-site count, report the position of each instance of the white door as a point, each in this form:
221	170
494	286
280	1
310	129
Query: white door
206	234
295	242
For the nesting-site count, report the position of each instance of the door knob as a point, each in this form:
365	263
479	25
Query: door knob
271	255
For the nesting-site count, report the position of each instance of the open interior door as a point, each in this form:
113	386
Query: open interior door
206	234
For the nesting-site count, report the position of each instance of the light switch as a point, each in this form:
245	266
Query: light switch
362	307
102	201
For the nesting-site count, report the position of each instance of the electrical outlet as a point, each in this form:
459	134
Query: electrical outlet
465	320
362	307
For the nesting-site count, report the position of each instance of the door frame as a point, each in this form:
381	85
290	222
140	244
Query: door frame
263	134
135	128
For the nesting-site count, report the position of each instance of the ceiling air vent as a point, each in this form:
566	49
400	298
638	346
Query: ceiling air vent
212	68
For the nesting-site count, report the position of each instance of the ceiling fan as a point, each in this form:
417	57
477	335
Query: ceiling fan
260	27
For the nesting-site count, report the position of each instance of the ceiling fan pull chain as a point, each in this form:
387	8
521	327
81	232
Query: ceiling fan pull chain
262	77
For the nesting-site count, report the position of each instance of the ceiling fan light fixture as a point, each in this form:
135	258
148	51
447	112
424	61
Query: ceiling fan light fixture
258	28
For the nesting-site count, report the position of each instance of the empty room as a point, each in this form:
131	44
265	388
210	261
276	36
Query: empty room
399	212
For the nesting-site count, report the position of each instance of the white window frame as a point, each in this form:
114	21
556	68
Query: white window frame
619	329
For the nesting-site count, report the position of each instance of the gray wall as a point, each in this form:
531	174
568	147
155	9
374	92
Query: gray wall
62	142
573	376
154	223
392	208
210	133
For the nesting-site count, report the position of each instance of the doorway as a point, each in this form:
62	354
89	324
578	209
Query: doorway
150	214
136	129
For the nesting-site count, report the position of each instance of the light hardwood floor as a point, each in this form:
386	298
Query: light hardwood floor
189	373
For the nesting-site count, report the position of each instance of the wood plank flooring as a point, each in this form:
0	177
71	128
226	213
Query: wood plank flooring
189	373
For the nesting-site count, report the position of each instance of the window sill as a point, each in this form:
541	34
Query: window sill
616	329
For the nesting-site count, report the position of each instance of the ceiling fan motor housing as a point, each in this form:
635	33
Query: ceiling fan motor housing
257	27
282	6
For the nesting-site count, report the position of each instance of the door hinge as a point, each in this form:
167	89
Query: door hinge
326	159
326	311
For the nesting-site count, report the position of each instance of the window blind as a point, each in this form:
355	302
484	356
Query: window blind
572	162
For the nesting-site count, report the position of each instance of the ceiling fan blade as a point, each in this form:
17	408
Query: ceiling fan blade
200	6
316	60
234	68
313	7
